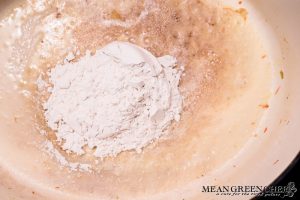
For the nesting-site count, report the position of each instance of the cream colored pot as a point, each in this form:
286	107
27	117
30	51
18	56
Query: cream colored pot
24	173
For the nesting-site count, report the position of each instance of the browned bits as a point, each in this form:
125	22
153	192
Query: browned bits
58	15
264	106
281	74
176	17
116	16
243	12
276	161
277	90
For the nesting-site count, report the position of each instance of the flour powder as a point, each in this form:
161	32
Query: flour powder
121	98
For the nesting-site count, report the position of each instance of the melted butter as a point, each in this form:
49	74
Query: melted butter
226	80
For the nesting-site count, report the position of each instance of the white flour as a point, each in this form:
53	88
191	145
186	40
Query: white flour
73	166
122	98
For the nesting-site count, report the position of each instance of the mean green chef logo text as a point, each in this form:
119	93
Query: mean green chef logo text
268	191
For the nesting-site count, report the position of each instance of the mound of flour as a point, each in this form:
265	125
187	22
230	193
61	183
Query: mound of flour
121	98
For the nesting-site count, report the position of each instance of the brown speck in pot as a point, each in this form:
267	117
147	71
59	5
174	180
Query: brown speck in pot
243	12
58	15
263	56
240	2
116	16
285	121
281	74
275	162
277	90
176	17
264	106
33	192
265	130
